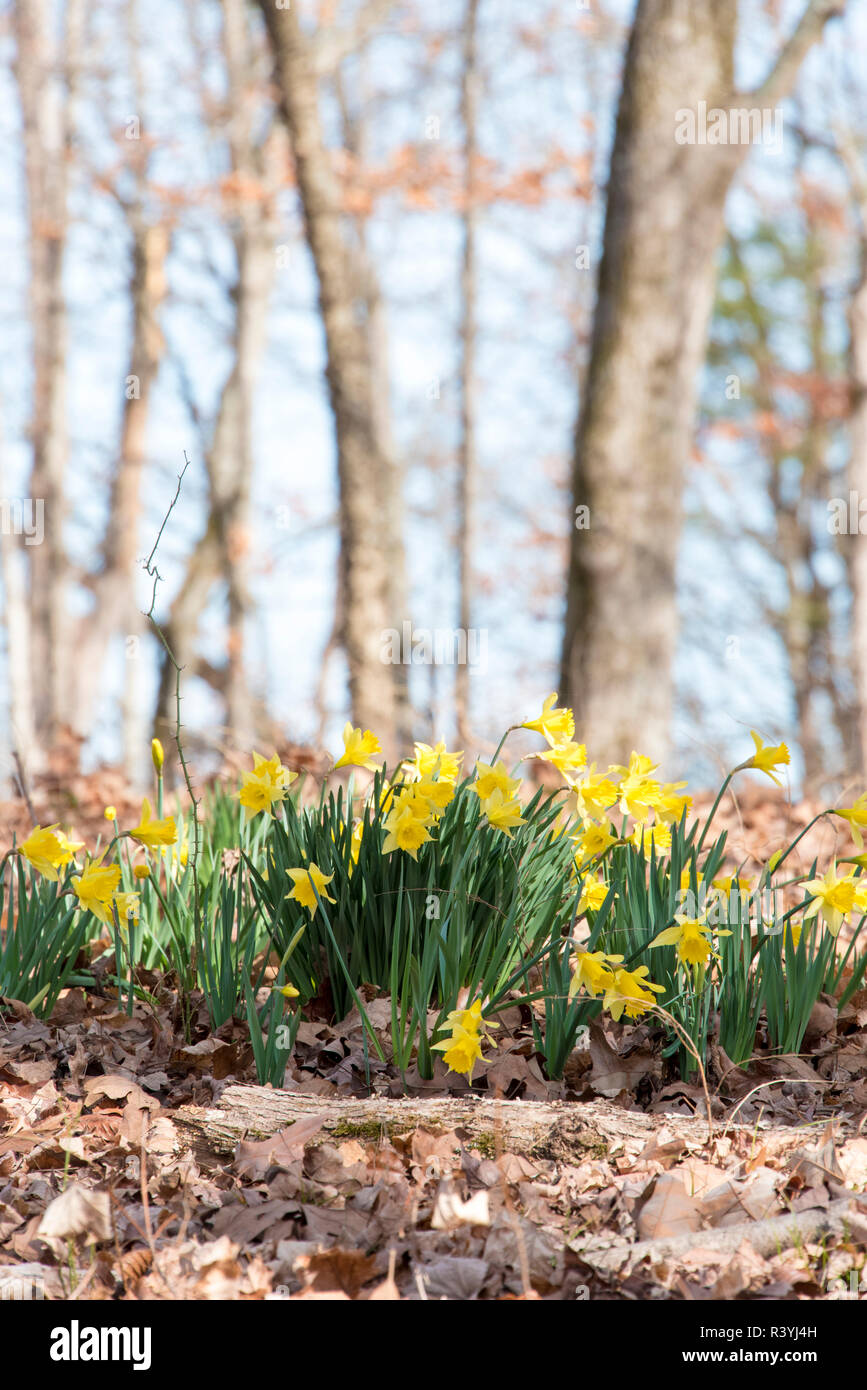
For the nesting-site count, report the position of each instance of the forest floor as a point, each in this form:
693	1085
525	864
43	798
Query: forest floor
138	1162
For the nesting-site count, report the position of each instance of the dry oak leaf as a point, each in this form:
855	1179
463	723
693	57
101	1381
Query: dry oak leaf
254	1157
79	1211
669	1211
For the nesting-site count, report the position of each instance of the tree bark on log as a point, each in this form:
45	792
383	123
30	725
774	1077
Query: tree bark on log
556	1130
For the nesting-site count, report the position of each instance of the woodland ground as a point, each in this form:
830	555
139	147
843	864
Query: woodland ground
136	1164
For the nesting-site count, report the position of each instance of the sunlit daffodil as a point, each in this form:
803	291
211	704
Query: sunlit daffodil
152	833
567	757
267	784
158	757
461	1052
358	749
469	1031
95	887
638	793
288	991
593	894
629	993
652	837
48	850
127	905
593	841
670	804
110	813
592	970
594	795
856	815
491	779
834	897
405	832
691	936
768	757
435	762
304	881
503	813
556	725
469	1019
438	795
142	871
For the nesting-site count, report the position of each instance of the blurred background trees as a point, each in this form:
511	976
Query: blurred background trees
470	356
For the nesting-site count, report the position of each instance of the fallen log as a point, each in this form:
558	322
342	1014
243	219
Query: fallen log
612	1256
560	1130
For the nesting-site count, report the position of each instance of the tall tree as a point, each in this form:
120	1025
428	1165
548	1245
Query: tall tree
362	465
221	554
664	221
467	460
47	53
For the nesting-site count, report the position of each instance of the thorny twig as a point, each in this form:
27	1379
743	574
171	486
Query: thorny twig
154	574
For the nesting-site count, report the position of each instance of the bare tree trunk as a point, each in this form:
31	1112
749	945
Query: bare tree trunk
16	617
115	612
222	552
45	69
664	221
351	383
856	545
467	460
390	484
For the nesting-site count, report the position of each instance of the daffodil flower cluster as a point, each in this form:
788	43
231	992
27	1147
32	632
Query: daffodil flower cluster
469	1032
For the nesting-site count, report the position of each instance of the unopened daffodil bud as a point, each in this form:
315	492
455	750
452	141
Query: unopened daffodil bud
158	755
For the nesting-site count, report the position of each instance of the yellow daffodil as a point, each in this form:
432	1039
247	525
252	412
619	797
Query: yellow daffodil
594	795
591	970
158	757
48	850
288	991
629	993
638	792
592	840
142	870
127	905
359	748
834	897
768	757
468	1031
656	837
856	815
437	794
471	1021
491	779
110	813
503	813
691	936
461	1052
405	831
267	783
567	757
95	887
670	804
556	725
303	881
152	833
732	885
593	894
435	762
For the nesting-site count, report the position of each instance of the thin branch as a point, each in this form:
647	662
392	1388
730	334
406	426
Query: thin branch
330	48
807	32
